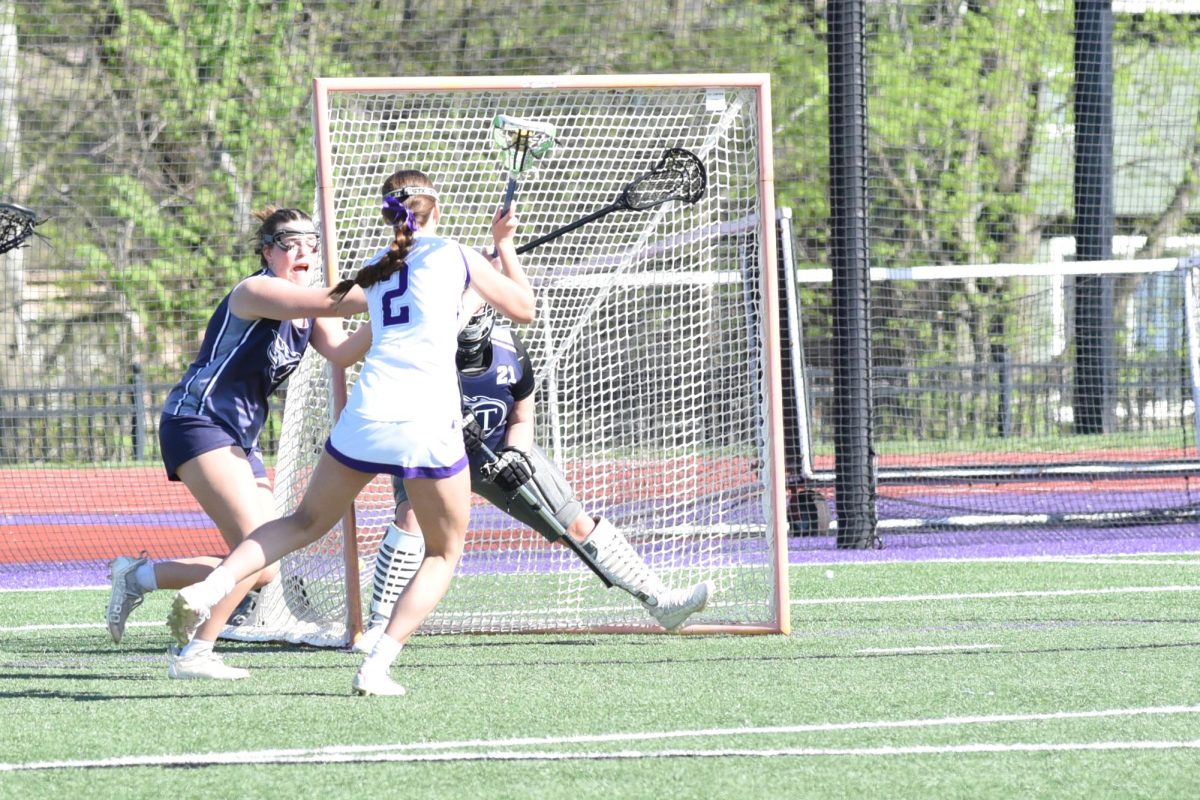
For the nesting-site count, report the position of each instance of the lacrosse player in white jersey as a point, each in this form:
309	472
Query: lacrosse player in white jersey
403	416
498	397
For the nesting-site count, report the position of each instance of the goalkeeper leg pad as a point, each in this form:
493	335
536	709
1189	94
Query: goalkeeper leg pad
624	567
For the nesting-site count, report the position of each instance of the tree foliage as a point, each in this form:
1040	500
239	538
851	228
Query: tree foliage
151	128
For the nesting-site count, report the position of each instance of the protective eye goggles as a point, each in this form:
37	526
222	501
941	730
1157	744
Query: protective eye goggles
290	240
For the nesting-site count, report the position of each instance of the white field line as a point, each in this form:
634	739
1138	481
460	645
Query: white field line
928	648
1108	558
497	749
828	601
1113	558
78	626
43	590
925	598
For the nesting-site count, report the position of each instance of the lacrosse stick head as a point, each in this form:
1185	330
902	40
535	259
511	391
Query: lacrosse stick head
678	175
521	142
17	224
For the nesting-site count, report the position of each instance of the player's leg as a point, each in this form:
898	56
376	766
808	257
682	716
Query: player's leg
599	543
330	492
626	568
396	562
442	507
234	491
224	484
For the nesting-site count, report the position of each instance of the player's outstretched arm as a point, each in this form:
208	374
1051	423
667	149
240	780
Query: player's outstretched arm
329	338
264	297
509	292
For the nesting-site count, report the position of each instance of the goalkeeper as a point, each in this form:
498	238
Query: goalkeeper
498	391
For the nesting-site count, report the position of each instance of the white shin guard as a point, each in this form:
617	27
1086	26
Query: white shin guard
624	567
621	564
400	553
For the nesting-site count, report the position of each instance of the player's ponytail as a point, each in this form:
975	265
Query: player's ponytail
408	201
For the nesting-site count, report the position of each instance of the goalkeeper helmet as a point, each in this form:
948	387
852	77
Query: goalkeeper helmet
474	336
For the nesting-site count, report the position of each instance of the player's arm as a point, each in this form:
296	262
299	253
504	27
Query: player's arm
520	431
513	467
264	297
509	292
329	338
520	425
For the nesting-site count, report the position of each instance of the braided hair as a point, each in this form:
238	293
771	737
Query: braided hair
408	201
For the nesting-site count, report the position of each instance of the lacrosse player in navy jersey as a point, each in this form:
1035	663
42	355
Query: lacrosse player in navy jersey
212	418
498	390
403	416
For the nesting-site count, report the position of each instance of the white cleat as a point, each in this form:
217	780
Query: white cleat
379	685
366	642
676	605
187	614
202	667
126	595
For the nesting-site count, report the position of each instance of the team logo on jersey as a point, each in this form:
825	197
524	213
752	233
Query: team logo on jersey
282	357
490	412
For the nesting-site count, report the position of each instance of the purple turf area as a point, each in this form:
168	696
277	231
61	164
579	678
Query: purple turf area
899	543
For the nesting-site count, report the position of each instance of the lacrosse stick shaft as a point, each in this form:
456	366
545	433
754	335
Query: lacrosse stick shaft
509	192
579	223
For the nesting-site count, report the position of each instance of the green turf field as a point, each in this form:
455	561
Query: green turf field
975	679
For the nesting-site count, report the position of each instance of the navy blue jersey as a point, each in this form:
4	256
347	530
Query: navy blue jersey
241	362
492	393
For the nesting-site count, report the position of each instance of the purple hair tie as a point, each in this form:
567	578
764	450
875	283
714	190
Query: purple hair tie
396	206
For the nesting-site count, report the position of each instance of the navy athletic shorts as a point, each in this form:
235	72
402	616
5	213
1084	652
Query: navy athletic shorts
183	437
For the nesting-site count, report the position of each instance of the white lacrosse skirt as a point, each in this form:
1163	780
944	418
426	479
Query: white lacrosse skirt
421	448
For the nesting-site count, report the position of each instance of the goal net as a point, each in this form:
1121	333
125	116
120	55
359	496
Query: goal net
981	386
654	347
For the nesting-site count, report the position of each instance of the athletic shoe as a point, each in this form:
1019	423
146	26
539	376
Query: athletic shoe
202	667
379	684
677	605
245	609
187	614
126	594
366	642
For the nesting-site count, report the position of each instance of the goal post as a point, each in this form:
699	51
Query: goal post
659	382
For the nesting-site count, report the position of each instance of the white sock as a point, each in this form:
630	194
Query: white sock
196	647
217	586
145	578
382	656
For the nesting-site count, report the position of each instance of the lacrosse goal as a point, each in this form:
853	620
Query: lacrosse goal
655	347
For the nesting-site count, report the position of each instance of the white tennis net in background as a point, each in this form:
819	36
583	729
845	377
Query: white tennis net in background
977	397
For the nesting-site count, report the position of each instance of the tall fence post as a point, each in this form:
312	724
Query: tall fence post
1094	215
850	257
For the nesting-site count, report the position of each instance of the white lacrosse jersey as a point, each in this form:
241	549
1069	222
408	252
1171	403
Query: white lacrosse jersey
409	372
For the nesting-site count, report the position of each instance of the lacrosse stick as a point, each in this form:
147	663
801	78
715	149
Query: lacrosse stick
678	175
522	143
17	224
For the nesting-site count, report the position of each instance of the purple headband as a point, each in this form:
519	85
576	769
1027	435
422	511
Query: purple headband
394	201
398	209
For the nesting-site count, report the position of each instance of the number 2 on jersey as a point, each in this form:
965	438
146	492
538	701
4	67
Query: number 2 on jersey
399	314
